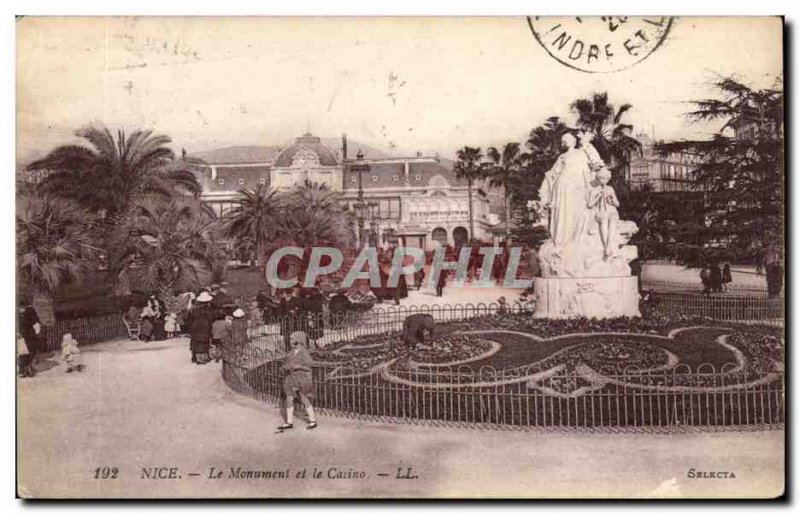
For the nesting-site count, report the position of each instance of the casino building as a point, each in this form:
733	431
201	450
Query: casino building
409	201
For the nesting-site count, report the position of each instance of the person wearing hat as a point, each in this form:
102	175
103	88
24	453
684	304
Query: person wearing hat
239	330
200	330
298	380
221	302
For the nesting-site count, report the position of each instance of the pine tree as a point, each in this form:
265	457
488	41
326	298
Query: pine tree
741	174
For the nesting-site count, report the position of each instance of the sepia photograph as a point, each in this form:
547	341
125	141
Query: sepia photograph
407	257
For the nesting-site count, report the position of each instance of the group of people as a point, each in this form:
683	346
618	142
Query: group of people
297	310
30	342
715	279
214	321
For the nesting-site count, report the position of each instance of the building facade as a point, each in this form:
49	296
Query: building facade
661	174
409	201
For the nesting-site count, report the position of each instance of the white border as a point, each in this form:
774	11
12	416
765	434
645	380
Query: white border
318	7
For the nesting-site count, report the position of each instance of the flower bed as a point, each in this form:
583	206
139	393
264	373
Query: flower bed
513	369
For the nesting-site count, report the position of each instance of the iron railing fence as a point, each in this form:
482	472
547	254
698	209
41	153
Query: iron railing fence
748	309
622	401
685	287
91	330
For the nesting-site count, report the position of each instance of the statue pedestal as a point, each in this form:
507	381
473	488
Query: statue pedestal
572	297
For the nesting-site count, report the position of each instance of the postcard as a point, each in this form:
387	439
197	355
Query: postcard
400	257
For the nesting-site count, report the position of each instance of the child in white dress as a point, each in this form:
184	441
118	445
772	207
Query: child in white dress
171	325
71	353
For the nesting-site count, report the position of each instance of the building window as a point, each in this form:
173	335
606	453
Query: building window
241	181
395	178
262	181
417	177
221	181
353	179
374	178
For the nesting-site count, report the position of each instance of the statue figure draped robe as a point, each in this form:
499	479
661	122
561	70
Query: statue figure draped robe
575	248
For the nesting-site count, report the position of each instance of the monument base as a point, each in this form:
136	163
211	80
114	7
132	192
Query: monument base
573	297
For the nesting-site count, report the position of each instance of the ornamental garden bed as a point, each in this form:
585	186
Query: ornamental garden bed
513	369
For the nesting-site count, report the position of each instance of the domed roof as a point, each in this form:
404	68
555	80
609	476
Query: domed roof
306	147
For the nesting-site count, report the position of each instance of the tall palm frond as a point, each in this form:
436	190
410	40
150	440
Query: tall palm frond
469	167
56	240
110	172
167	244
612	138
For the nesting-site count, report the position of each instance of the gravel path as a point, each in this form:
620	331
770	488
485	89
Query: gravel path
139	406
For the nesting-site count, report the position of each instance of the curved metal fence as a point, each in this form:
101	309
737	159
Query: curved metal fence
515	405
702	397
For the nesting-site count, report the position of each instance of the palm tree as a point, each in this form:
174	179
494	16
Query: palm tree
314	196
469	167
55	240
544	141
108	173
254	217
318	217
167	244
610	136
506	165
308	228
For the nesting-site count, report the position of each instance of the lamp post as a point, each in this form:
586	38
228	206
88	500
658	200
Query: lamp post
360	167
373	223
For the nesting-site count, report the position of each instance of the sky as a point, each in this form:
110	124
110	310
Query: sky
401	85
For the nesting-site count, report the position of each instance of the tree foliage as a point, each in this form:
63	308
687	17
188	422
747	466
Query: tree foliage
742	177
543	147
251	223
610	135
309	215
56	240
740	171
504	166
109	173
165	244
469	166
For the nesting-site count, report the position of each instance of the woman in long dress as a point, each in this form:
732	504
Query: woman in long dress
200	331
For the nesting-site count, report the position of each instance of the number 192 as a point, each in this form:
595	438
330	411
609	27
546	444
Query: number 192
105	473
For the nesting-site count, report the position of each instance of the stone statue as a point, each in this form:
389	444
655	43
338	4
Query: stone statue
565	191
585	237
585	268
604	201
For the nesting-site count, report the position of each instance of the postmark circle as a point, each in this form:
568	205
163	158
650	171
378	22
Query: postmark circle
602	44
